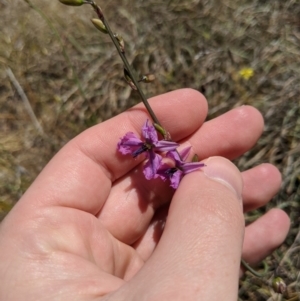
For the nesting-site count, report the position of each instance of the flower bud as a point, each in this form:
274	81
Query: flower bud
99	25
279	285
120	41
72	2
195	158
159	129
147	78
162	131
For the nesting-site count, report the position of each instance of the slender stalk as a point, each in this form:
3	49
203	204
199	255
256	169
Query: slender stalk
130	70
252	271
25	100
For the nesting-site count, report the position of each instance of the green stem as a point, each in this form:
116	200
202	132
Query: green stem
129	69
252	271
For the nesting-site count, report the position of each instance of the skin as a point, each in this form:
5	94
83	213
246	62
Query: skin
91	227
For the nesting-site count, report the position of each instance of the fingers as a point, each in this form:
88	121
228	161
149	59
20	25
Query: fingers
131	206
264	235
229	135
80	175
198	254
261	183
147	243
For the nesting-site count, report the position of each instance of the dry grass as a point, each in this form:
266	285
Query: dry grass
72	77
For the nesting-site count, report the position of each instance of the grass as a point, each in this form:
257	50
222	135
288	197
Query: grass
73	79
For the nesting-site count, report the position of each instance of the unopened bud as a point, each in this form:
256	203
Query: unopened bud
129	80
120	41
147	78
99	25
195	158
279	285
162	131
73	2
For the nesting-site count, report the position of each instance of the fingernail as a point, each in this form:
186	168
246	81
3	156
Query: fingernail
225	172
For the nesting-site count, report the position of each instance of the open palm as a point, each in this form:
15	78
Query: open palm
91	227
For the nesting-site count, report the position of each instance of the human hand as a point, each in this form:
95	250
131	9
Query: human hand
91	227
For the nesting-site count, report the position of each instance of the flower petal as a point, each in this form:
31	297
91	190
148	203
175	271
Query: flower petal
175	179
129	143
149	133
152	165
173	154
165	146
192	166
185	153
164	171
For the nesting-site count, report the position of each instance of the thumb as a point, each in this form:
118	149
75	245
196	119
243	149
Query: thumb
198	256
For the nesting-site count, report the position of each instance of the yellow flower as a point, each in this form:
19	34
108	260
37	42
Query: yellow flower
246	73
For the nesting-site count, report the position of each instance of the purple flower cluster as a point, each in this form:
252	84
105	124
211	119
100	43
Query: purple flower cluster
151	146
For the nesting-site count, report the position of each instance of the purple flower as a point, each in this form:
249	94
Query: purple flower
130	144
181	168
